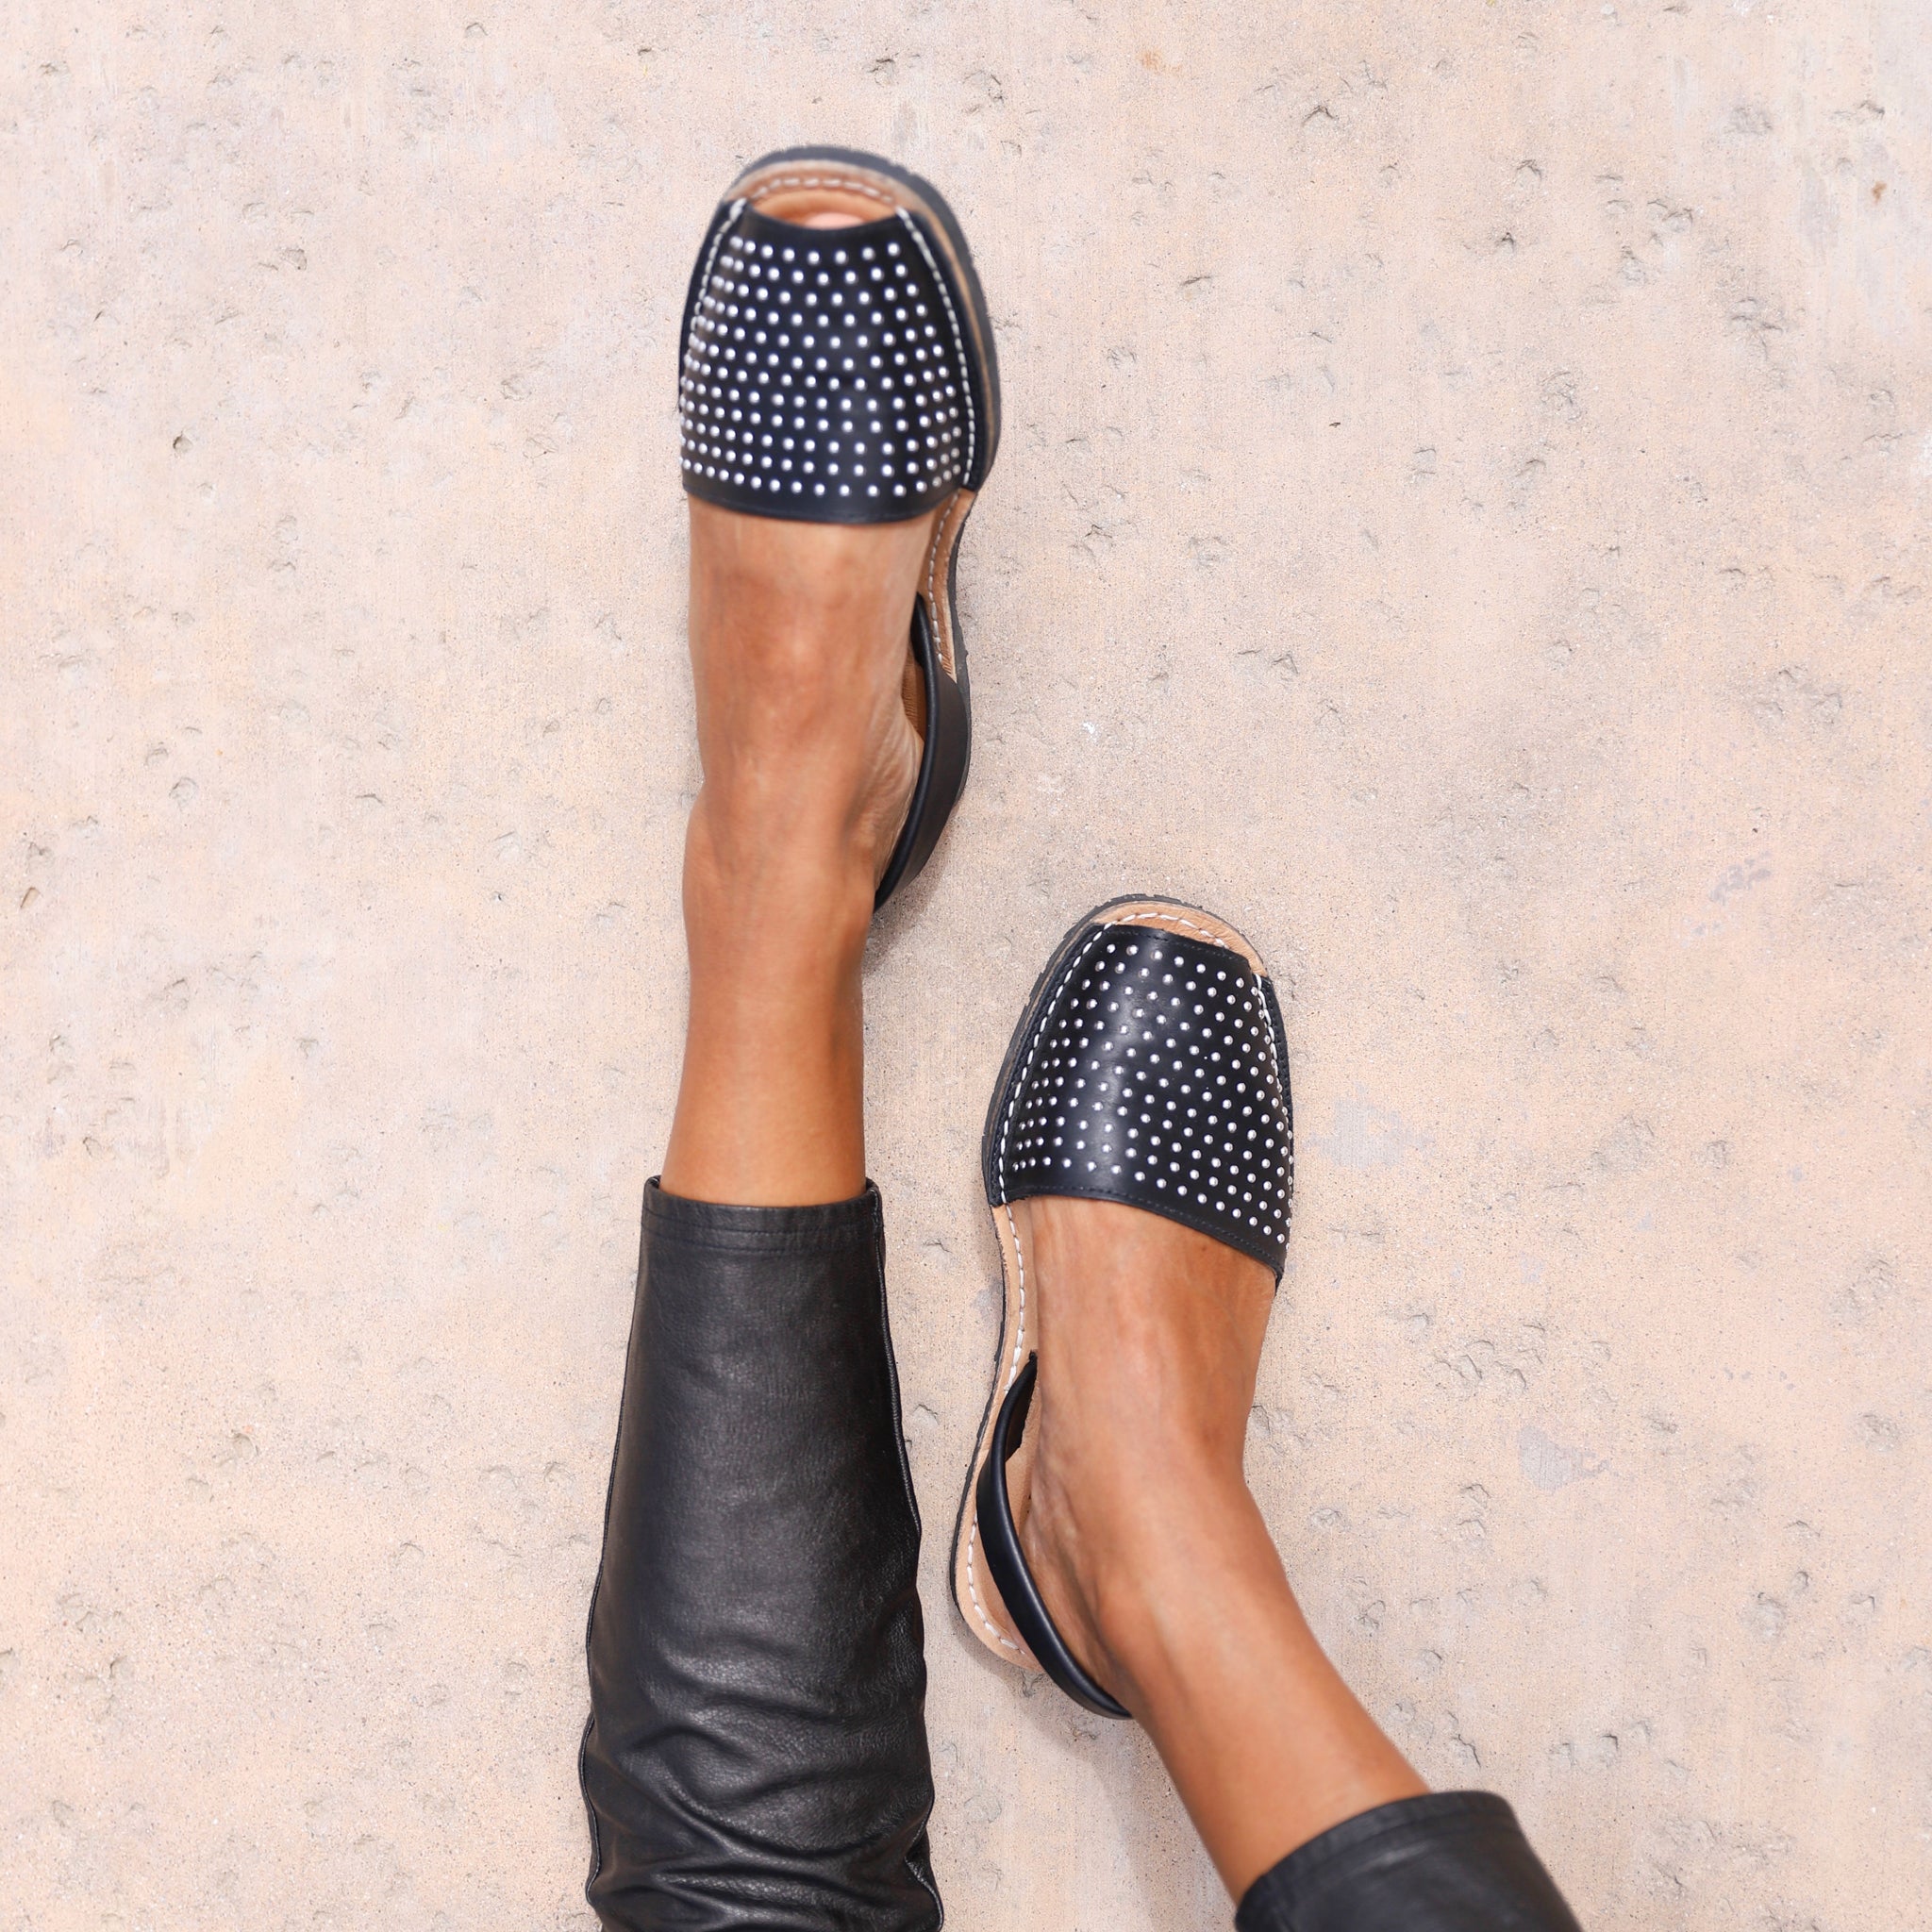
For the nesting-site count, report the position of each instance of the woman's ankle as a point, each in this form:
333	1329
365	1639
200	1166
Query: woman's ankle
792	875
1127	1551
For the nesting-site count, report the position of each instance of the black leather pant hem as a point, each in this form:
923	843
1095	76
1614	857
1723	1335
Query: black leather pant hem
1450	1862
824	1228
756	1760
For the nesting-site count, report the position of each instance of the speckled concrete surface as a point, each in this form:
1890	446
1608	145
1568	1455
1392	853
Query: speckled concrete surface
1463	516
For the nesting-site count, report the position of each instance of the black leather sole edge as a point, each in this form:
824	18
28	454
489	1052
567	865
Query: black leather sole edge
1446	1861
1004	1387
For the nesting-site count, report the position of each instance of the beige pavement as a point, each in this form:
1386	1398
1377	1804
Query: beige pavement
1463	515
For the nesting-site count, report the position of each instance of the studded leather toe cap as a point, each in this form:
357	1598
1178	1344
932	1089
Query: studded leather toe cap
826	374
1154	1073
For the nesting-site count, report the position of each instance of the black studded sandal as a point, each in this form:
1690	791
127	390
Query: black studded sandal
847	375
1150	1068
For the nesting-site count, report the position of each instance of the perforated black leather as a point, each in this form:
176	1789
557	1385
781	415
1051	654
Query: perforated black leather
1154	1073
827	374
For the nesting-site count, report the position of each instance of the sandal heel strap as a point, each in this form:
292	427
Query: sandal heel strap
1006	1562
943	762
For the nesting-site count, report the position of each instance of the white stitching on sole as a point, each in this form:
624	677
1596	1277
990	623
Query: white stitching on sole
851	184
992	1628
945	641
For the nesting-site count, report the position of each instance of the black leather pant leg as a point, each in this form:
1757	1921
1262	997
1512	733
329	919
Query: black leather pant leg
757	1755
1453	1861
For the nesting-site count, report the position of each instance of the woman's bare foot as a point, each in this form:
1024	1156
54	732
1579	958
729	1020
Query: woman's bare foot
809	734
801	666
1148	1549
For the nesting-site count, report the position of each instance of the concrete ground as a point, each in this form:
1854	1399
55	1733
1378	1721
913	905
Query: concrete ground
1463	516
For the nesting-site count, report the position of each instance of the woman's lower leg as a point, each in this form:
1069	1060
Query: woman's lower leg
798	635
1151	1552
